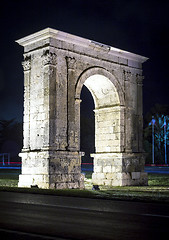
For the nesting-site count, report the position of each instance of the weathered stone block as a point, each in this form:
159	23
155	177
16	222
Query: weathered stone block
98	169
107	169
116	182
135	175
126	176
110	175
107	182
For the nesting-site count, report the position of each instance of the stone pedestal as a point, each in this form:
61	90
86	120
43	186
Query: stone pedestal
119	169
51	169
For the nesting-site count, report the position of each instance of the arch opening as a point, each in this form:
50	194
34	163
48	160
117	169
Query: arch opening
107	126
87	127
107	113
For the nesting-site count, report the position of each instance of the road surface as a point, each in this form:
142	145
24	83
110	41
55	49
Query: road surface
34	216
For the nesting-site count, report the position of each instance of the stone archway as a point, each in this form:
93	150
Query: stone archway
109	123
56	66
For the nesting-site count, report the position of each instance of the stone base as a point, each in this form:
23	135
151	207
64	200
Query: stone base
31	180
42	181
67	181
120	179
119	169
51	170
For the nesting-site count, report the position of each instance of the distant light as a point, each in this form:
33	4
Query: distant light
153	121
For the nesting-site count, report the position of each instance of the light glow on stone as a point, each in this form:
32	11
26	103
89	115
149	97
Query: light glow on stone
107	113
102	90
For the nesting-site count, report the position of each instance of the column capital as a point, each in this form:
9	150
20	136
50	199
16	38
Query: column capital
128	75
49	58
71	62
139	79
27	63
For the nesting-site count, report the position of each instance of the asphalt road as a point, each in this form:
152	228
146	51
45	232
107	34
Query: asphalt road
34	216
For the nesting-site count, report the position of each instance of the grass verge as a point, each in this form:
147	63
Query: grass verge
157	191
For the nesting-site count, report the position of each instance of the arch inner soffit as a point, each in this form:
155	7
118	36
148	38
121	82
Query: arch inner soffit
103	91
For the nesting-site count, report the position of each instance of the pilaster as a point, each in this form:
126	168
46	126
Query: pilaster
49	64
72	127
26	126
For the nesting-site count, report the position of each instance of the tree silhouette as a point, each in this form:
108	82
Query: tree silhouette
161	117
10	137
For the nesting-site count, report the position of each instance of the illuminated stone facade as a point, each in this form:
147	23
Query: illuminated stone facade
56	66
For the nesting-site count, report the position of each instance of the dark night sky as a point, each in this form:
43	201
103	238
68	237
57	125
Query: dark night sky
138	26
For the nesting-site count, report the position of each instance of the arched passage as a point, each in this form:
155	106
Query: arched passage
87	126
107	113
109	116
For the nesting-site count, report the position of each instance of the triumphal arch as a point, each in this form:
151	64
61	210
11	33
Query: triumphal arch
56	66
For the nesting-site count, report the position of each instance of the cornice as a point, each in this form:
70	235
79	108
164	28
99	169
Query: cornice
79	41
